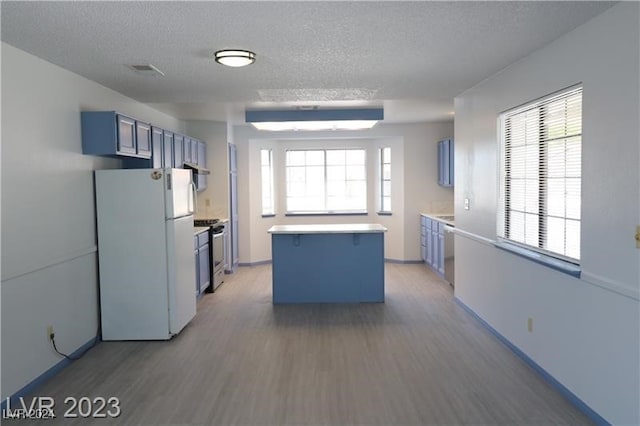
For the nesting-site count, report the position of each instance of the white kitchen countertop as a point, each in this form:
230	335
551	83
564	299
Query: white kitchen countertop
439	217
199	229
342	228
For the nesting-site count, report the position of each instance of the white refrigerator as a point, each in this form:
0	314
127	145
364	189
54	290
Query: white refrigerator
145	252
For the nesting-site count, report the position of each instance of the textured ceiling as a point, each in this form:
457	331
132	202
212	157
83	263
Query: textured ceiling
411	57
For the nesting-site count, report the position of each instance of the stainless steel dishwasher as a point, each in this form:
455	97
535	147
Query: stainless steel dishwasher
449	254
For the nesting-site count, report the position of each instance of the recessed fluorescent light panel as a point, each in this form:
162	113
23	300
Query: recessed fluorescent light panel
314	119
275	126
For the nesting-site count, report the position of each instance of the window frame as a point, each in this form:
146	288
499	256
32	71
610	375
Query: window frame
271	183
543	195
323	212
382	180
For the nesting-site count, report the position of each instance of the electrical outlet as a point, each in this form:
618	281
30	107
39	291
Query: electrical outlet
49	331
530	325
207	202
467	203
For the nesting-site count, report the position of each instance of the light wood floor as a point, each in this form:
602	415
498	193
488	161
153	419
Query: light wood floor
418	359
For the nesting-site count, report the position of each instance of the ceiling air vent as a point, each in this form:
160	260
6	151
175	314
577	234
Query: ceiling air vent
146	70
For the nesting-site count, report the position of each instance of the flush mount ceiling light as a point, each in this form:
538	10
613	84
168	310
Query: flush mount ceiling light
234	57
315	119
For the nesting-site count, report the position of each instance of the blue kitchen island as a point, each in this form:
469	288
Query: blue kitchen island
341	263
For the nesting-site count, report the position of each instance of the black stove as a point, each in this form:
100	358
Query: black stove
205	222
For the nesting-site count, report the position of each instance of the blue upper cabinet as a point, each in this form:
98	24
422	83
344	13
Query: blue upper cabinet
157	148
139	144
445	163
168	149
186	149
194	151
126	135
143	139
111	134
201	150
178	154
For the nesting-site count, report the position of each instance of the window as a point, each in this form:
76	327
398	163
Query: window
266	162
326	181
540	185
385	180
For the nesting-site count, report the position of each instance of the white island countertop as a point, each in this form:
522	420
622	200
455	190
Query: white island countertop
341	228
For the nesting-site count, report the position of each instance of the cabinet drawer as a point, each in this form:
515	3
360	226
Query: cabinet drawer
203	238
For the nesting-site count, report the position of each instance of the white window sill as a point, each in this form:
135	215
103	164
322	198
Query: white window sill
551	262
330	213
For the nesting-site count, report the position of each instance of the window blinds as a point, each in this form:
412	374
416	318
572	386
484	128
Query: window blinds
541	175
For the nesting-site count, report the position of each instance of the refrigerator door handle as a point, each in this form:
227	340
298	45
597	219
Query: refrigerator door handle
194	199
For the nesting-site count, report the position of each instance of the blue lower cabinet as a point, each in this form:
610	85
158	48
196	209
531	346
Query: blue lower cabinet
432	244
195	253
428	242
440	261
203	269
203	265
423	239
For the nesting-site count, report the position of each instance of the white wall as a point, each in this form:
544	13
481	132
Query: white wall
586	331
414	182
49	269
